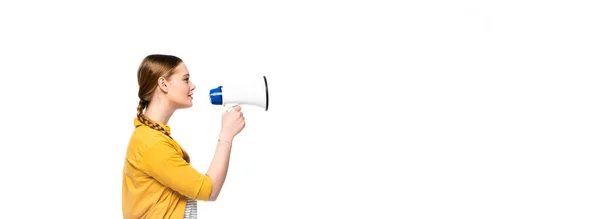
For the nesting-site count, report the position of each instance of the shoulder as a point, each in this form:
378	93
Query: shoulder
145	140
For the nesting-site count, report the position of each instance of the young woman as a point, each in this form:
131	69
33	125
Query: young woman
158	181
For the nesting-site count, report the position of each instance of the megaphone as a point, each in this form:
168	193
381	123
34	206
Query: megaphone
238	92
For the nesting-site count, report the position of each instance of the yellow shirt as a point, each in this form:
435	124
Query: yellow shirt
157	176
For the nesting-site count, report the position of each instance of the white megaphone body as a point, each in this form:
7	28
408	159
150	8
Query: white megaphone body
242	92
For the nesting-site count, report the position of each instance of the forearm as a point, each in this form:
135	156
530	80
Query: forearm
217	170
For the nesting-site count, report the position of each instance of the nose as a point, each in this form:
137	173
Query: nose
193	87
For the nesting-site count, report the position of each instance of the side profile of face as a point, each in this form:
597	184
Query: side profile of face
178	88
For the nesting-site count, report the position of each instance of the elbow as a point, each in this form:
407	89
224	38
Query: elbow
207	198
208	190
213	197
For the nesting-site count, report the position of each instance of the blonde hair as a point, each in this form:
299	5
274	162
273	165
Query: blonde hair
150	70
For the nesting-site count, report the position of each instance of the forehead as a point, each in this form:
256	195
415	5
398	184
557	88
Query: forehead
181	69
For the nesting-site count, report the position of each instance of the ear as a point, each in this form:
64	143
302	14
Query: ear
163	84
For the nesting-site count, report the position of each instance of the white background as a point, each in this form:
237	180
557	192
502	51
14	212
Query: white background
379	109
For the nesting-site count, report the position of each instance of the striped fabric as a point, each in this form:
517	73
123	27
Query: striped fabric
191	209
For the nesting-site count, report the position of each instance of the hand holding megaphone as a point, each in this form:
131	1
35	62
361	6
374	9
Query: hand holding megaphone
240	92
232	123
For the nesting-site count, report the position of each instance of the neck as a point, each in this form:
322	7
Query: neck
159	112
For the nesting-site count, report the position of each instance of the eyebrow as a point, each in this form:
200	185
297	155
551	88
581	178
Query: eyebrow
186	75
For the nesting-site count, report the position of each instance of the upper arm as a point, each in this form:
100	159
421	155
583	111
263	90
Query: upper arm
162	162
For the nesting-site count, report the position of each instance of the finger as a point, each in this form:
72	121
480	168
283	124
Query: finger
237	107
232	108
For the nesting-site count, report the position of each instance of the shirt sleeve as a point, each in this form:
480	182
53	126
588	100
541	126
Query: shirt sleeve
165	164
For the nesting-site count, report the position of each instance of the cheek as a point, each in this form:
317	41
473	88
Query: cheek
183	89
178	90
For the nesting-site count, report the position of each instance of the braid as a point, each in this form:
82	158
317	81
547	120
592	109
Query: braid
145	120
